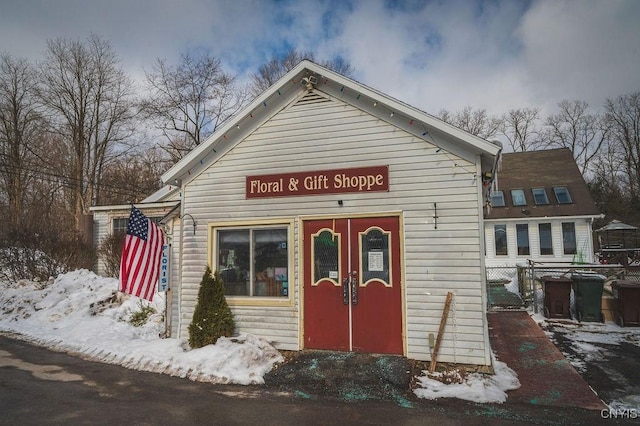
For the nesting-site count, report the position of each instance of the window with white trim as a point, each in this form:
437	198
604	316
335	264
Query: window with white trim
119	224
254	260
546	239
500	233
569	238
522	238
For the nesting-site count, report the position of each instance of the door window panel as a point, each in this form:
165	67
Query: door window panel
374	256
326	257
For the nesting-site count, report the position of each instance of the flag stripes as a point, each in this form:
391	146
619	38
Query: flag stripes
141	254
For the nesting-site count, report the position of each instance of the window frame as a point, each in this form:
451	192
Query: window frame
565	191
565	235
499	193
550	238
125	221
495	240
121	221
541	191
523	250
248	300
513	199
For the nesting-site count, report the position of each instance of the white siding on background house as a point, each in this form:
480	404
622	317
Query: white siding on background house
319	132
584	241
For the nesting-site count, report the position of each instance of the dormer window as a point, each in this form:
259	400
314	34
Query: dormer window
540	196
518	198
562	195
497	199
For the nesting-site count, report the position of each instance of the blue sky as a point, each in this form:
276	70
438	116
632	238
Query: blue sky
431	54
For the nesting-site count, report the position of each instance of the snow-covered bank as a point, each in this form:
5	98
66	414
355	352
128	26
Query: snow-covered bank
81	313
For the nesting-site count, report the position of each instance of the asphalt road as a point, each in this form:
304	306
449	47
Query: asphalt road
38	386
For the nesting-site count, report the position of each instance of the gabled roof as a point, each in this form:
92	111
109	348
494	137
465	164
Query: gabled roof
542	169
310	76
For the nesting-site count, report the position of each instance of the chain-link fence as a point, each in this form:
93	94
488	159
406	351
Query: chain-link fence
520	287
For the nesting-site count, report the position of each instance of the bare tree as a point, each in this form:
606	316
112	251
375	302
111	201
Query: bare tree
275	68
623	117
519	127
477	122
133	177
90	102
575	128
188	101
21	126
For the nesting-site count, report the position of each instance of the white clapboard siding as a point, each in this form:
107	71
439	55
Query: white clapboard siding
583	241
173	301
319	133
101	229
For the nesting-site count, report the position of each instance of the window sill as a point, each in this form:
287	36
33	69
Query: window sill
258	301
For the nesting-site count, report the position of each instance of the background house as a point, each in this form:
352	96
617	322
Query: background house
541	210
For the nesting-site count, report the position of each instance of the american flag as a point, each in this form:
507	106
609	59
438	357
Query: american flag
140	264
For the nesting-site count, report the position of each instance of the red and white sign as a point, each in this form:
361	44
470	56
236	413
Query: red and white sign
337	181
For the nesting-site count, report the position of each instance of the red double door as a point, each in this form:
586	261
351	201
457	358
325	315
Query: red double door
352	285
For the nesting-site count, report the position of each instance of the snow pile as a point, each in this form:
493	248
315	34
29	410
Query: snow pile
83	314
476	387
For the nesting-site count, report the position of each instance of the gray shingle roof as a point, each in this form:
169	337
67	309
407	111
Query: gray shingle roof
542	169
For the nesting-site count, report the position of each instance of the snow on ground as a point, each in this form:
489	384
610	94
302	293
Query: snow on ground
587	340
476	387
83	314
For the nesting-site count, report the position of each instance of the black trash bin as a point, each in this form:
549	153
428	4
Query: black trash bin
557	296
627	299
587	289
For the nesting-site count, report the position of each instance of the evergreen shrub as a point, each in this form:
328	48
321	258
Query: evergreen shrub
212	317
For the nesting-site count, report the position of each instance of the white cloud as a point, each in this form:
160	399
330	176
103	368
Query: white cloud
497	55
585	50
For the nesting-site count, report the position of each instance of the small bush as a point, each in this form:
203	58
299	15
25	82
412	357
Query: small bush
212	317
110	252
140	317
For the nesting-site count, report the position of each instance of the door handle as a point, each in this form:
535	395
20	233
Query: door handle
345	290
354	288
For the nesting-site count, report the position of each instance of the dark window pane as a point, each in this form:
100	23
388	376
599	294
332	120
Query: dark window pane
546	241
518	198
234	260
500	232
540	196
569	238
120	225
325	256
522	234
270	257
497	199
562	195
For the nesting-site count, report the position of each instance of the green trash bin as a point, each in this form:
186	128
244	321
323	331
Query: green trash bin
587	290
